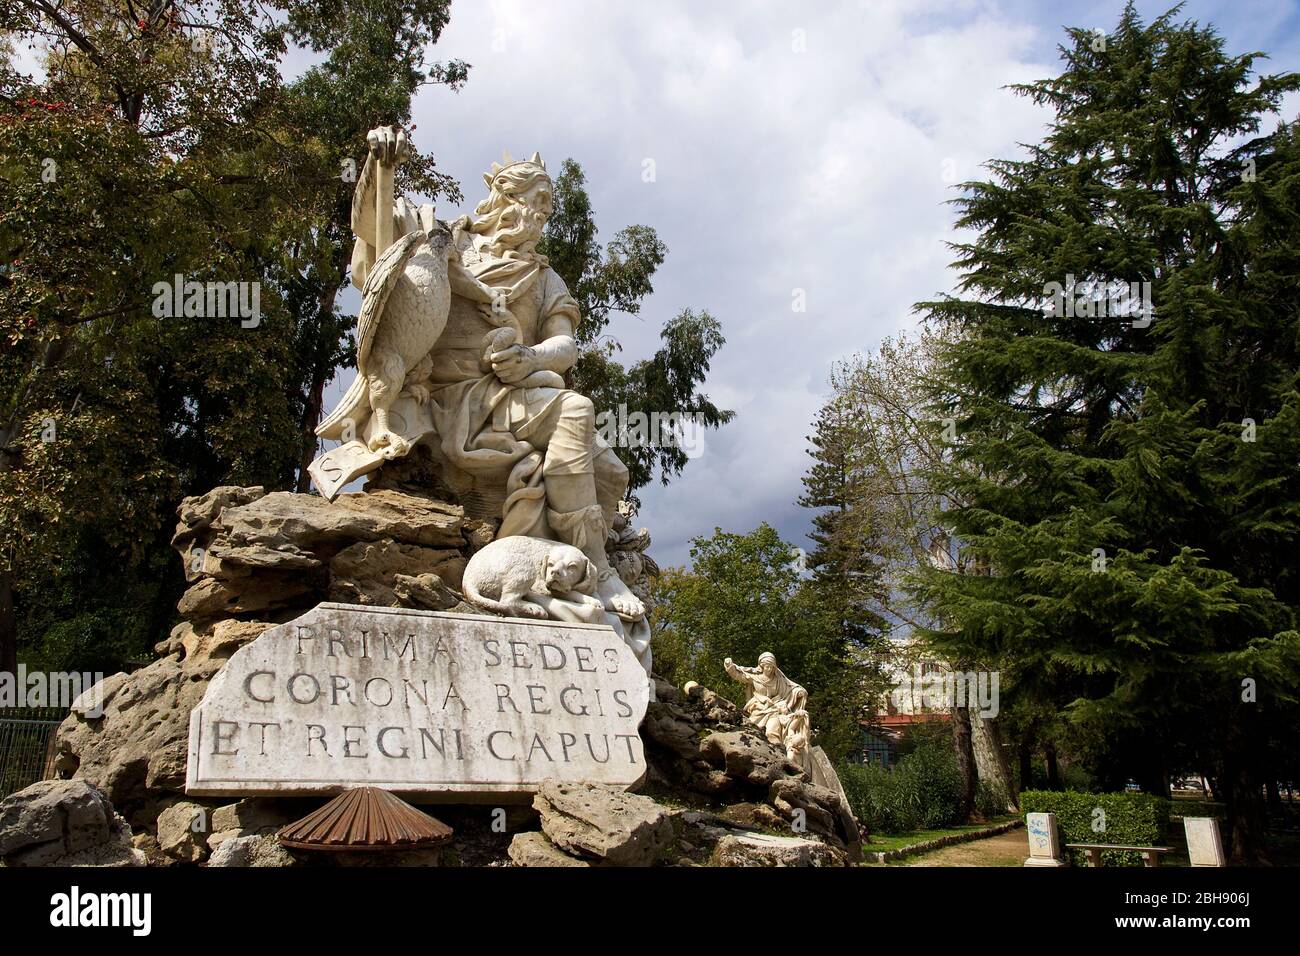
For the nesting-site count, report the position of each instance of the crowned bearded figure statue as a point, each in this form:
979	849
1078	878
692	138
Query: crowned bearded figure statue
464	337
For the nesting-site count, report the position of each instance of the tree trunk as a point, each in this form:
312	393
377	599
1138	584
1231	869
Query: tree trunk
1243	791
310	418
1026	754
990	759
8	627
961	740
315	399
1053	771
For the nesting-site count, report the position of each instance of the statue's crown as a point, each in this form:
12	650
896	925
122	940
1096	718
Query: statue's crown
508	161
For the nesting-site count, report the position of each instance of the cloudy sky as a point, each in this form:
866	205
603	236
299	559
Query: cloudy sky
794	147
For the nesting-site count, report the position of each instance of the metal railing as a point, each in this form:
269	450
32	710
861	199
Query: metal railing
27	751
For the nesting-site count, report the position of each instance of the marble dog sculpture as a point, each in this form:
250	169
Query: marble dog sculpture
533	577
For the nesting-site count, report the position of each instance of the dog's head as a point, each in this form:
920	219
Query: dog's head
568	569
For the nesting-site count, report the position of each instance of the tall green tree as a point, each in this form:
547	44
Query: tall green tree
744	596
1128	475
615	279
842	560
160	141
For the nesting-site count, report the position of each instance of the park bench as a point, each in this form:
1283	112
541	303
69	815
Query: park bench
1150	854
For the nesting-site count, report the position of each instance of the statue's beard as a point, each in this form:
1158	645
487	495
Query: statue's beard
518	226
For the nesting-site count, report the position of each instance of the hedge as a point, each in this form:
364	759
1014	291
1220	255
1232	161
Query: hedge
1126	819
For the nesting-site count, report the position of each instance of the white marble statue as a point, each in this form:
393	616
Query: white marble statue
776	706
464	337
534	577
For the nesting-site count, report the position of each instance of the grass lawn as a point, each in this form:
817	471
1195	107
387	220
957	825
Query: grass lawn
884	842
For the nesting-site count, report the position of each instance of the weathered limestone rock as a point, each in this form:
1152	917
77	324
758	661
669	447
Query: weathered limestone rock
761	849
182	831
365	572
64	823
284	519
535	849
819	806
429	592
696	742
747	755
138	747
621	829
246	552
196	515
757	816
212	597
258	851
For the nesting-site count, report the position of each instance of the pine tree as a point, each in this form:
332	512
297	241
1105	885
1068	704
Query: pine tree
1129	474
843	559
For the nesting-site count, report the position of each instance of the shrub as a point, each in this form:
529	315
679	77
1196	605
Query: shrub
922	792
1127	819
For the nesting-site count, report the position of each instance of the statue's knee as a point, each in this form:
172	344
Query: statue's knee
578	406
611	468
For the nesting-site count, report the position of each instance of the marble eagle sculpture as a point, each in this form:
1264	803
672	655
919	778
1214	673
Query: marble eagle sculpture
405	303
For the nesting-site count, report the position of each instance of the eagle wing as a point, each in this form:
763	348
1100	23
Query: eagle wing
379	285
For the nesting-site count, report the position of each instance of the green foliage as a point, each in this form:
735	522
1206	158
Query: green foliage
616	279
845	559
1122	819
921	792
1132	488
162	142
741	598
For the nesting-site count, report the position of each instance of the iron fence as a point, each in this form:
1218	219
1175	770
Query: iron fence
27	745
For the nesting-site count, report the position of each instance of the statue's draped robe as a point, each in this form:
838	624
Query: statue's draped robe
485	428
776	704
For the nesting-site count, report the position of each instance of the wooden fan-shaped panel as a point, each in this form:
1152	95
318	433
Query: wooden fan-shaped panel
365	818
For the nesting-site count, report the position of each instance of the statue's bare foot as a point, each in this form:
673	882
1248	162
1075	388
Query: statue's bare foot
390	444
617	597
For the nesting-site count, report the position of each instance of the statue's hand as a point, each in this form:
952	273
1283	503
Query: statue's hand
514	364
388	145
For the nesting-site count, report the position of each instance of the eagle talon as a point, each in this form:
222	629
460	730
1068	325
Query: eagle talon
419	393
390	445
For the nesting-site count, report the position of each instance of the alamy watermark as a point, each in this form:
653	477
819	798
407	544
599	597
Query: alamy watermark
208	300
620	428
943	689
1099	299
60	689
133	911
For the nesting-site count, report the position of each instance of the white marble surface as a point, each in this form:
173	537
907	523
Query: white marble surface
1204	843
1044	840
420	702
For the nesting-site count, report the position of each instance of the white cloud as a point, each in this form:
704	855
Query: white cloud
825	170
821	170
